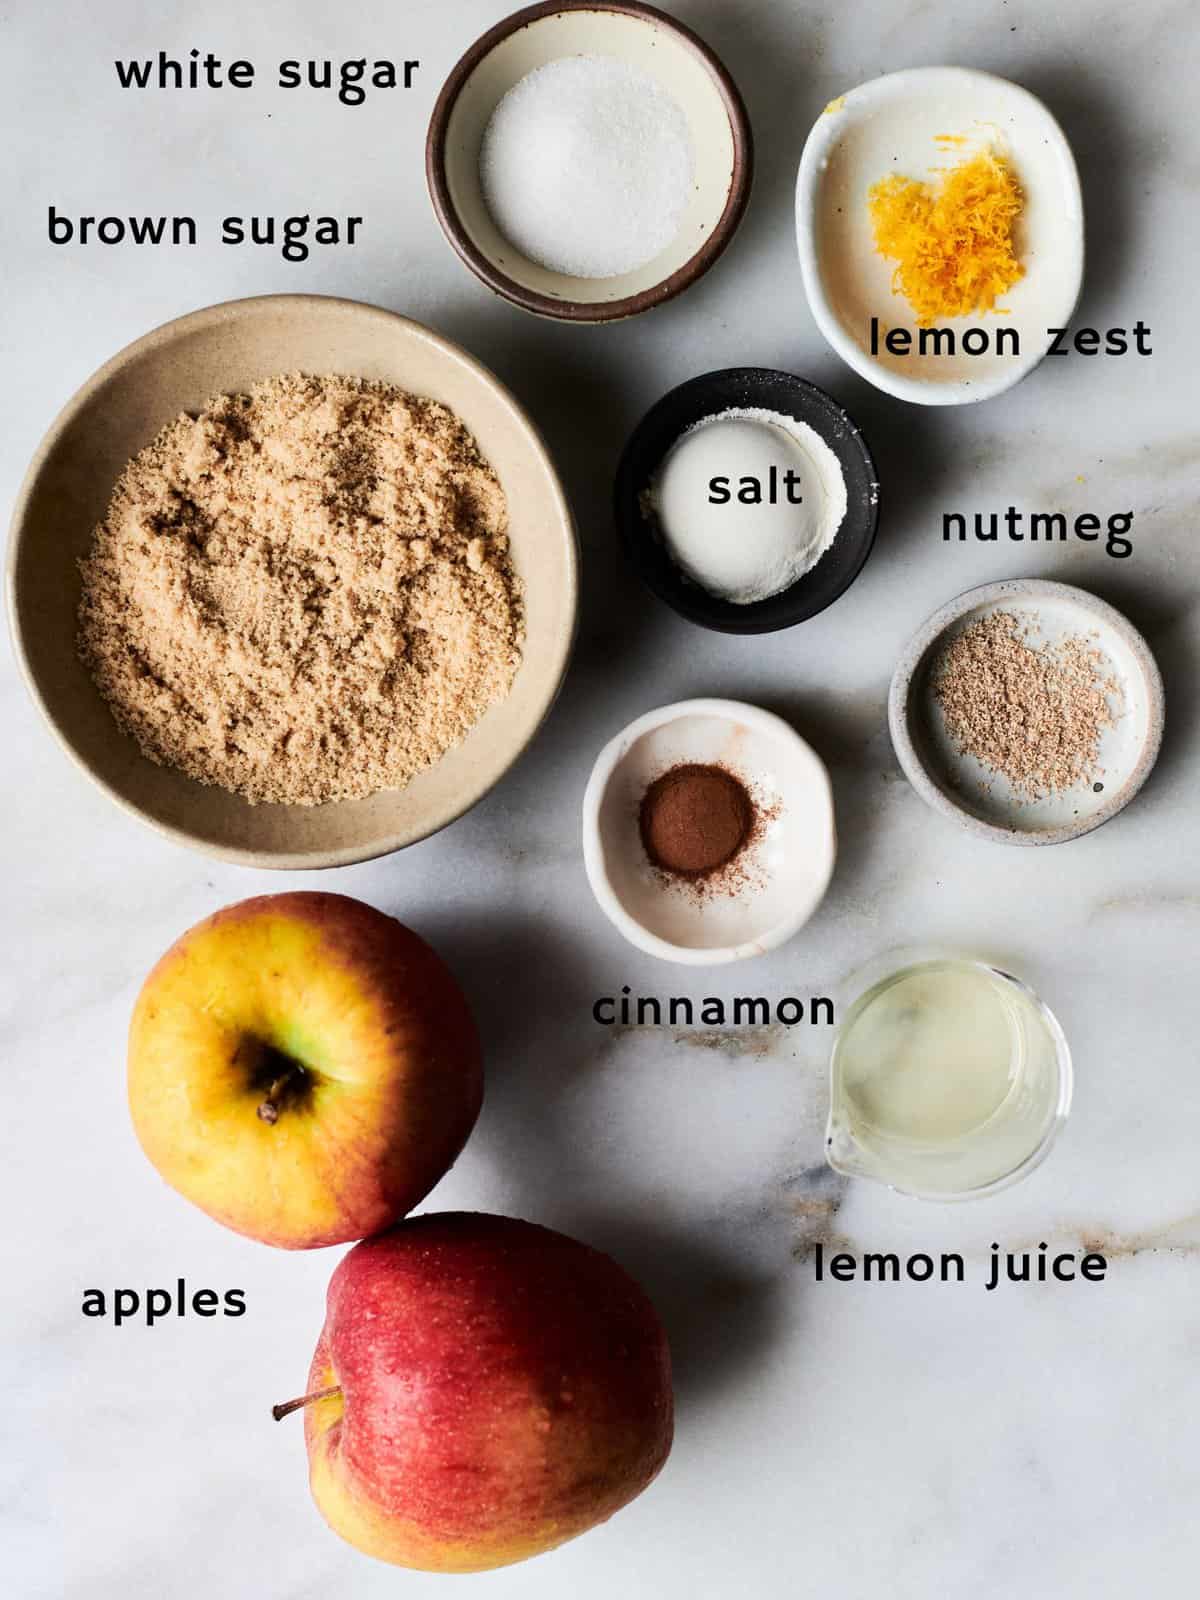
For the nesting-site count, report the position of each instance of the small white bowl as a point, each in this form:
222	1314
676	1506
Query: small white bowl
959	786
787	870
889	126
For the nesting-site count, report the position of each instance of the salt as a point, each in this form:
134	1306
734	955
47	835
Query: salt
716	502
586	166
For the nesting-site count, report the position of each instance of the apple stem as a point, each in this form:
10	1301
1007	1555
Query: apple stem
285	1410
268	1111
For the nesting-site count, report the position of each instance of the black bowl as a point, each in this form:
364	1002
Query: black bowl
762	389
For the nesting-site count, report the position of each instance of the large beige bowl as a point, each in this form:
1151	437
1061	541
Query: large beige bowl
178	368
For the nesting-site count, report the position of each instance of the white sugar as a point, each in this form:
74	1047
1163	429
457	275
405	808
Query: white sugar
586	166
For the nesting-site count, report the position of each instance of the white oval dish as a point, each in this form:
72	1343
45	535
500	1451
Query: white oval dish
889	126
787	870
959	786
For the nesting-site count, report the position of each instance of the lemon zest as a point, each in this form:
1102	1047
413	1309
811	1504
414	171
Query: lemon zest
952	240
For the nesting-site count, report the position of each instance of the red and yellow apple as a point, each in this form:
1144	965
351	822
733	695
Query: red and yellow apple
483	1390
304	1068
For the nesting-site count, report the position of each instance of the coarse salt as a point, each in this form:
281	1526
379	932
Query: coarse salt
746	552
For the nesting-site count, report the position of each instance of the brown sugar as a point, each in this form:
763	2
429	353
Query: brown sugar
1033	714
695	820
304	593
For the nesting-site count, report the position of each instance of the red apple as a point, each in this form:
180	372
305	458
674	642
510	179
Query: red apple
304	1068
483	1390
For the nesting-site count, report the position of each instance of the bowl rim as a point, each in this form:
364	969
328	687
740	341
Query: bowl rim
593	856
312	859
927	392
679	596
533	300
915	653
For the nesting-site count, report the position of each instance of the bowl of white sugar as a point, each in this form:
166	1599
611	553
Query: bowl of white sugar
747	499
588	161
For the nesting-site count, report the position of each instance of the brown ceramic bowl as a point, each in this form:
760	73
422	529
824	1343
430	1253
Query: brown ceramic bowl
178	367
645	38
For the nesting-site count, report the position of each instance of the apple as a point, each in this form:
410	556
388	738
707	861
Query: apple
483	1390
303	1068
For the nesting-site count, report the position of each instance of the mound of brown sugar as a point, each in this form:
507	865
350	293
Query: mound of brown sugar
304	593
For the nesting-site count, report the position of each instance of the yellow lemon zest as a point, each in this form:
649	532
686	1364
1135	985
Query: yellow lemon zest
951	239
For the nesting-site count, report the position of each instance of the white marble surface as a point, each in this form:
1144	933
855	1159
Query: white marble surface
842	1440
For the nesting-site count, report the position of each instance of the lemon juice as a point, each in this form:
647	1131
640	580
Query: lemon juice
948	1077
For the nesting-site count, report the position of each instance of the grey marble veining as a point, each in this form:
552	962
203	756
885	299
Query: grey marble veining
851	1440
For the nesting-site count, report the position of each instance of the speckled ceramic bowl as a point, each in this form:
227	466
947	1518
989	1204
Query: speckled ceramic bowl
959	786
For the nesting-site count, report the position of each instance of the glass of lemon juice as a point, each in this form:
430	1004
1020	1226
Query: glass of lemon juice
949	1079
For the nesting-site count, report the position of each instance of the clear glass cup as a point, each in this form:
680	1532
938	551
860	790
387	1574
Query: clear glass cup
949	1079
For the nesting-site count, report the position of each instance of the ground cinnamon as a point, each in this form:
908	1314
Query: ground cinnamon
695	820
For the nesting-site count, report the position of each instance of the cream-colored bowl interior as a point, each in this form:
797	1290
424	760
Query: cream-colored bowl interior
178	368
642	43
786	870
889	126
